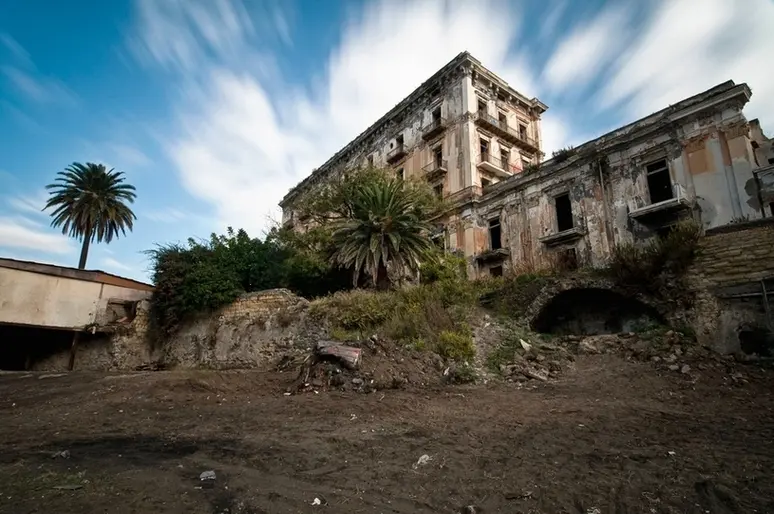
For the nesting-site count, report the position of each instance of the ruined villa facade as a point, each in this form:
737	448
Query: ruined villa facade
477	142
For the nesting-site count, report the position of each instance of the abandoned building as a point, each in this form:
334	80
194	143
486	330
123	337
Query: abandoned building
43	306
477	141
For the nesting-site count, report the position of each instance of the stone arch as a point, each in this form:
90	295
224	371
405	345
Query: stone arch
589	308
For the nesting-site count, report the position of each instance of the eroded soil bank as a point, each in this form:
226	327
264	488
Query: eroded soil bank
608	436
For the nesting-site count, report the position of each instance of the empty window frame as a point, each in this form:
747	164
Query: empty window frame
505	155
438	190
370	161
522	131
399	141
496	271
563	212
438	156
659	181
436	114
503	119
400	174
495	241
481	106
485	182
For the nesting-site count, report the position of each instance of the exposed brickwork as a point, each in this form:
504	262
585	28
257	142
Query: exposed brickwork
736	254
258	304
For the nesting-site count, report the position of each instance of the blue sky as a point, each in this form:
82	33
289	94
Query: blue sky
214	108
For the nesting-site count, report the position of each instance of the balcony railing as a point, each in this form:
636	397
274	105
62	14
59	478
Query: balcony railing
397	153
495	165
503	130
435	168
435	127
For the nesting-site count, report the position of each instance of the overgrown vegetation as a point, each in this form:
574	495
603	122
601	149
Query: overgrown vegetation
425	317
660	264
562	154
201	276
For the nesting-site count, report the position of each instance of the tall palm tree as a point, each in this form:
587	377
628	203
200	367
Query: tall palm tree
387	226
89	204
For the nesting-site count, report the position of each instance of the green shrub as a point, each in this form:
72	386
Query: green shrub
463	373
658	264
456	346
448	267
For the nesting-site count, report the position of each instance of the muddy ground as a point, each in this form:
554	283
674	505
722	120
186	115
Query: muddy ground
609	436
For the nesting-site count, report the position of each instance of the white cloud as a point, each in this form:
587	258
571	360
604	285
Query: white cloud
39	89
686	48
26	234
588	48
128	155
241	149
30	204
167	215
112	264
20	55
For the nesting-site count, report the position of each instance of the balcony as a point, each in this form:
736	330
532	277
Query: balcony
663	212
435	127
501	129
397	153
494	165
435	169
565	236
497	255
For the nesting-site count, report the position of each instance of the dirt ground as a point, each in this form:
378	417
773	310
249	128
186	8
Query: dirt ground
609	436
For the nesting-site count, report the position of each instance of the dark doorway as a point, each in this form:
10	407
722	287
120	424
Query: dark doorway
563	213
494	234
496	271
593	311
659	182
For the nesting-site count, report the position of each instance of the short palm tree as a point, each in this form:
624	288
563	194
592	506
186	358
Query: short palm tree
387	226
89	203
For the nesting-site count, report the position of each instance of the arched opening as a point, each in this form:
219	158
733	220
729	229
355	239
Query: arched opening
593	311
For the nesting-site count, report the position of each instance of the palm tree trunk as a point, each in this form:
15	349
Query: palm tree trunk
382	278
85	249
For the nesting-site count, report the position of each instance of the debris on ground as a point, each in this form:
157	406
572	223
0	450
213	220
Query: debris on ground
423	460
64	454
68	487
207	476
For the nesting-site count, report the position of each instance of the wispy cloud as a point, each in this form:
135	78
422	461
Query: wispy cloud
30	204
168	215
17	52
588	49
684	49
128	155
23	233
38	88
113	264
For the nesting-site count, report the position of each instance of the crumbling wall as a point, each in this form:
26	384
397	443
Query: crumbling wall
727	275
252	332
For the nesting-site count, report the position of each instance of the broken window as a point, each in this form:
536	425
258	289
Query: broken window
563	212
399	174
659	182
438	190
399	140
524	164
481	106
522	131
503	119
438	156
485	182
494	234
436	114
496	271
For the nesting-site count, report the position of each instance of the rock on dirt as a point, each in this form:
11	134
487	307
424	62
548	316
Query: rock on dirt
685	369
422	461
207	475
